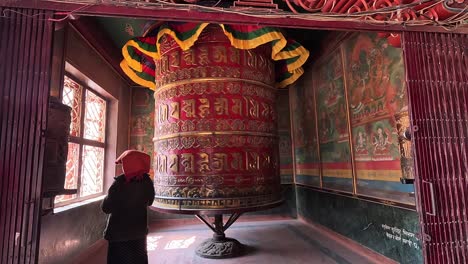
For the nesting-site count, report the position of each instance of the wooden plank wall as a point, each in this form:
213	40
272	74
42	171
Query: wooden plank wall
25	52
437	65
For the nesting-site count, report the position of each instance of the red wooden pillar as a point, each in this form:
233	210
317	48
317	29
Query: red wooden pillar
25	52
437	67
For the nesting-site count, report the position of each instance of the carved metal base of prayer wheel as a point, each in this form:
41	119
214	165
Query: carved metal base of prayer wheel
220	246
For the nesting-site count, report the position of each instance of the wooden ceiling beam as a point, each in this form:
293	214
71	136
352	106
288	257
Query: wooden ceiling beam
194	15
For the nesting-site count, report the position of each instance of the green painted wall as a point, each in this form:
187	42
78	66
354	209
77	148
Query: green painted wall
287	208
387	230
284	133
122	29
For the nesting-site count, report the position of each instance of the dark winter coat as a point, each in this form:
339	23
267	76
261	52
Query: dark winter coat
126	203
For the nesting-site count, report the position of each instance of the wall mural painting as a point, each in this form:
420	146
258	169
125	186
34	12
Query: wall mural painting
376	141
375	82
305	137
333	124
375	78
284	132
142	121
377	104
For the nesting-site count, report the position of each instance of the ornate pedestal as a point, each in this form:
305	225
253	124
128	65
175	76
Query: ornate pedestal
219	246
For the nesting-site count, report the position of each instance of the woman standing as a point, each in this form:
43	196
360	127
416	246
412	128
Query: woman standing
126	203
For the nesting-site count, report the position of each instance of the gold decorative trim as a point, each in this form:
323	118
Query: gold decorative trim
214	133
174	203
216	88
317	137
348	116
225	125
211	79
291	94
230	141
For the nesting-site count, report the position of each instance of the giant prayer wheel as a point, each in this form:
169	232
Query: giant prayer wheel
215	140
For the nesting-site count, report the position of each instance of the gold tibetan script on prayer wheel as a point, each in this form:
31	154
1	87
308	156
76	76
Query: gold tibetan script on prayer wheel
215	142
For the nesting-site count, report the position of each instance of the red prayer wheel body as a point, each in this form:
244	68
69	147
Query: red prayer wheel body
216	143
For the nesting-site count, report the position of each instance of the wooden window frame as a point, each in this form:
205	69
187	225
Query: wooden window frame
81	141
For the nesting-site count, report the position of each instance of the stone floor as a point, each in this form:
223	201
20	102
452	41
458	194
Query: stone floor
268	241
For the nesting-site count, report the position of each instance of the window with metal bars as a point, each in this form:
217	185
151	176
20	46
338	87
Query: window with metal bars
86	147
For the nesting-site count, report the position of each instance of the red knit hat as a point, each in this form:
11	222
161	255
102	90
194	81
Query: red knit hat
134	164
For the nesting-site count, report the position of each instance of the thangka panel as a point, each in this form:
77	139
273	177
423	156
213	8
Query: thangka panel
377	98
332	121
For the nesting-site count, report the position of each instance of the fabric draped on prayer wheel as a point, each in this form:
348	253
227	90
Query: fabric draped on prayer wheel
215	142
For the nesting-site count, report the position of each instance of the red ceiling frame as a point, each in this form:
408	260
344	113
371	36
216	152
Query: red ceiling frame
171	14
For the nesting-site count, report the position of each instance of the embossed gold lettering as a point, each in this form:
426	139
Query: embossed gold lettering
164	64
189	57
220	54
254	108
266	110
221	106
204	108
251	59
237	106
162	113
262	63
219	162
203	58
158	67
174	163
175	59
266	161
175	110
235	56
189	107
236	162
252	161
204	162
188	162
161	165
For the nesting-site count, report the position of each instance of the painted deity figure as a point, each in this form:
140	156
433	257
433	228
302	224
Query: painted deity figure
139	127
361	143
326	127
332	94
381	141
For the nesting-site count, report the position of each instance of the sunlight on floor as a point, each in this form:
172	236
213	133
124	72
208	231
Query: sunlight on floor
152	242
180	243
